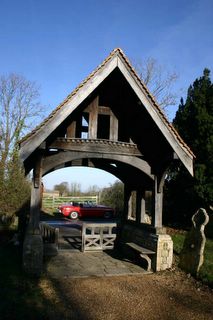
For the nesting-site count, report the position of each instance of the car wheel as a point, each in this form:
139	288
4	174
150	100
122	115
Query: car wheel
74	215
107	215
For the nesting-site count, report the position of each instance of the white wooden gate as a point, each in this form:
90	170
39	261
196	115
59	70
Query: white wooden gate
98	236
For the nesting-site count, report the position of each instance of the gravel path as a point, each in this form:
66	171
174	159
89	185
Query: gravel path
166	295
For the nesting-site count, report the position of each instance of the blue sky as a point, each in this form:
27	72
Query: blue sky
57	43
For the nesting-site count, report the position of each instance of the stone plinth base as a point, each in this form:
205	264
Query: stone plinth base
33	254
164	252
161	243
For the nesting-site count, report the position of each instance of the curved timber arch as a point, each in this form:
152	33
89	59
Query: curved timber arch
112	122
56	161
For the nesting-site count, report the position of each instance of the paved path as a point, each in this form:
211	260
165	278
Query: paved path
78	264
71	262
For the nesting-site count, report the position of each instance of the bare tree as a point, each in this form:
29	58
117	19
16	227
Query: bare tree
93	190
159	81
19	110
75	188
62	188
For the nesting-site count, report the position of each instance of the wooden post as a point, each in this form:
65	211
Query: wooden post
93	118
35	203
130	206
71	130
32	259
34	209
158	204
127	198
140	207
113	135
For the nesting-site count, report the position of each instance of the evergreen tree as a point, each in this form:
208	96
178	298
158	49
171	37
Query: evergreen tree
14	190
194	122
113	196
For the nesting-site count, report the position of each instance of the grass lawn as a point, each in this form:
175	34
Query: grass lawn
206	271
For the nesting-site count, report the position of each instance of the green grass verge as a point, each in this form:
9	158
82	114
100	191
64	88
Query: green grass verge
206	271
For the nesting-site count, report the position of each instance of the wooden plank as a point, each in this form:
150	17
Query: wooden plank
144	252
139	248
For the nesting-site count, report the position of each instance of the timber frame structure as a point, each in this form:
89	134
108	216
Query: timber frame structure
111	122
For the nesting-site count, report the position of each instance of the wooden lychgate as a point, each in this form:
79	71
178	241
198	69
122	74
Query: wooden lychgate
111	122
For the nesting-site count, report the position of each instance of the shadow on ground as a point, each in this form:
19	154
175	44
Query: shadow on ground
165	295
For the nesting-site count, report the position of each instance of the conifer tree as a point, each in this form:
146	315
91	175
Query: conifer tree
194	122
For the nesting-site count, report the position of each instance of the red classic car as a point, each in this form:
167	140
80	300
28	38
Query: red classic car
75	210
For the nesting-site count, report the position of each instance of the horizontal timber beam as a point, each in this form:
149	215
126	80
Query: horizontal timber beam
97	146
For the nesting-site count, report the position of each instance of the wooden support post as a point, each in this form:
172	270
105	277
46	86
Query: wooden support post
130	206
138	206
93	118
33	244
36	194
158	204
127	198
113	127
142	208
35	208
71	130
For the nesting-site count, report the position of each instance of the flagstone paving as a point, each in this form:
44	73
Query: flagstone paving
77	264
71	262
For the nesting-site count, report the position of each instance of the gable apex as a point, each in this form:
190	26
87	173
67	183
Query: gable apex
116	59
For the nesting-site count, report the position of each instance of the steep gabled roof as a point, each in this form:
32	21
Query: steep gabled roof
116	59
